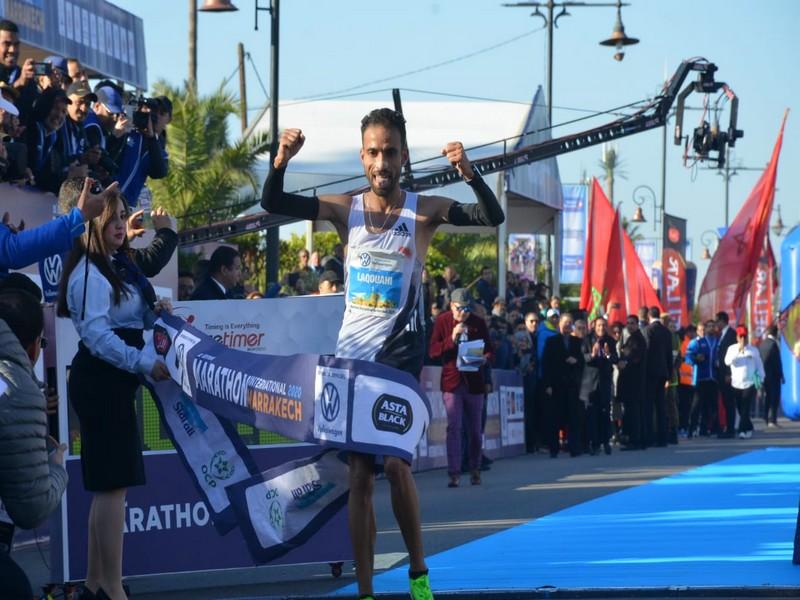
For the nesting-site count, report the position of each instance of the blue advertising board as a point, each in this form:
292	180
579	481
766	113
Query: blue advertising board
573	232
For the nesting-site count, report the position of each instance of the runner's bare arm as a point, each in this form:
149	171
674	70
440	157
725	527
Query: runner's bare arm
486	212
328	207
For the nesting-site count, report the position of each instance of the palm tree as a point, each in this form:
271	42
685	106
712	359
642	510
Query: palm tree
611	165
632	231
206	172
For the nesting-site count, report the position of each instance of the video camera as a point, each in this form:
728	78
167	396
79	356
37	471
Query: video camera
136	114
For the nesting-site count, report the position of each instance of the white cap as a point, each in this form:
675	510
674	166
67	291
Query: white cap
8	107
552	312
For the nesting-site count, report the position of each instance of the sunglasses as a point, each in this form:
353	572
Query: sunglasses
462	308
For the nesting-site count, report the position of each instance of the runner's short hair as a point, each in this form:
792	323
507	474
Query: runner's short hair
385	117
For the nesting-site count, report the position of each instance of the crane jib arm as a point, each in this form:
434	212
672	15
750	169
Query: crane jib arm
654	114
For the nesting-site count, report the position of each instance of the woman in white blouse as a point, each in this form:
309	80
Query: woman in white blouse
747	373
110	302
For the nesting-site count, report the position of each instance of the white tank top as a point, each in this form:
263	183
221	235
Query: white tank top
382	318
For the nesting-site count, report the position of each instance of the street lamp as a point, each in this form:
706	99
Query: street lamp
708	237
641	194
273	241
617	39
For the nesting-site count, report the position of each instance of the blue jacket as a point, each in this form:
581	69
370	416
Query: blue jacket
18	250
702	370
141	158
543	333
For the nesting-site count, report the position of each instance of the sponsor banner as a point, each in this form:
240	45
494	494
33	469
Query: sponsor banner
105	38
283	507
573	232
522	255
764	285
646	251
675	234
50	270
674	291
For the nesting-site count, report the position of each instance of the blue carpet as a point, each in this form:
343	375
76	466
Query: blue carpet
728	524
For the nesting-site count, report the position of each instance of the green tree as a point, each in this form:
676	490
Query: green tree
206	171
467	252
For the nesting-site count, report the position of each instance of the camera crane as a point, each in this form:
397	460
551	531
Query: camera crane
707	144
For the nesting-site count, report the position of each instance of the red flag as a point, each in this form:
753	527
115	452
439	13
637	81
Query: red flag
674	286
640	291
616	304
730	275
601	217
764	285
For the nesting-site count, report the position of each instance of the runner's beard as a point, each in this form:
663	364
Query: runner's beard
382	183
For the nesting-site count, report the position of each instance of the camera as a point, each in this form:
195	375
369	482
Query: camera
136	113
42	68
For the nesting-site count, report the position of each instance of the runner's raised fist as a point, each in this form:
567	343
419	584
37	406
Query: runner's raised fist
290	143
457	156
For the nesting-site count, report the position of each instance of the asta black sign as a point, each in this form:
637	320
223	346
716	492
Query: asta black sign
393	414
675	235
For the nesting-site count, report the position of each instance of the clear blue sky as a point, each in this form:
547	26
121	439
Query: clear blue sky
332	45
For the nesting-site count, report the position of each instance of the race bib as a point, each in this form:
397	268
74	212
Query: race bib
375	281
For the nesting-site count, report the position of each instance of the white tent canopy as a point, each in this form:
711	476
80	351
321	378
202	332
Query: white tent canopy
333	141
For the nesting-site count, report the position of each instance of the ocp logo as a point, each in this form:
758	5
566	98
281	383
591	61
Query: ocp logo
53	267
330	401
276	515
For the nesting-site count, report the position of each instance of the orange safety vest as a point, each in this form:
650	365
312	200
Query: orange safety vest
686	370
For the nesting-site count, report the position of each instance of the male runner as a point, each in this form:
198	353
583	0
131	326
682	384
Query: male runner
387	232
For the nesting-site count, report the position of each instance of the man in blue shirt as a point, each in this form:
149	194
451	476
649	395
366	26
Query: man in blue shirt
701	353
18	249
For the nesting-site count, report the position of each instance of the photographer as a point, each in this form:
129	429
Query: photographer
32	480
105	128
145	152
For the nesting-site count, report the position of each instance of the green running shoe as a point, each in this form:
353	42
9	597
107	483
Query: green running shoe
421	588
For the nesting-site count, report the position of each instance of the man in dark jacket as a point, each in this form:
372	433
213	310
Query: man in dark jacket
463	385
562	370
224	274
603	357
658	373
32	480
770	351
631	384
727	337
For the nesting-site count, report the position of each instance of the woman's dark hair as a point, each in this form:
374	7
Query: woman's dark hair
98	255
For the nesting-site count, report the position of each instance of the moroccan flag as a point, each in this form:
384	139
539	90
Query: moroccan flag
615	299
639	288
764	285
674	273
599	228
733	266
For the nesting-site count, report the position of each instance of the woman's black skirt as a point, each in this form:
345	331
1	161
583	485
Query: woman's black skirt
103	398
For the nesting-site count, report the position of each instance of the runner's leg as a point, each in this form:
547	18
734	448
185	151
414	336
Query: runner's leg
405	503
361	518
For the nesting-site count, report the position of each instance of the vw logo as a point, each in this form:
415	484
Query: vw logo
330	402
52	269
365	259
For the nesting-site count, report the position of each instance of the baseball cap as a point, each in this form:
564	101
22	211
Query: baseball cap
741	331
81	89
461	295
110	98
330	277
552	312
57	62
8	107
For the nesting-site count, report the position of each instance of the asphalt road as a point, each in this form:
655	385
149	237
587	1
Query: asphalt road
514	491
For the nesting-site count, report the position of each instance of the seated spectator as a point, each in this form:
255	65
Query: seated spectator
20	249
185	285
46	157
72	136
32	479
224	274
330	283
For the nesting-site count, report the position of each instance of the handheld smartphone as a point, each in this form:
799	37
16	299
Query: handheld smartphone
42	68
